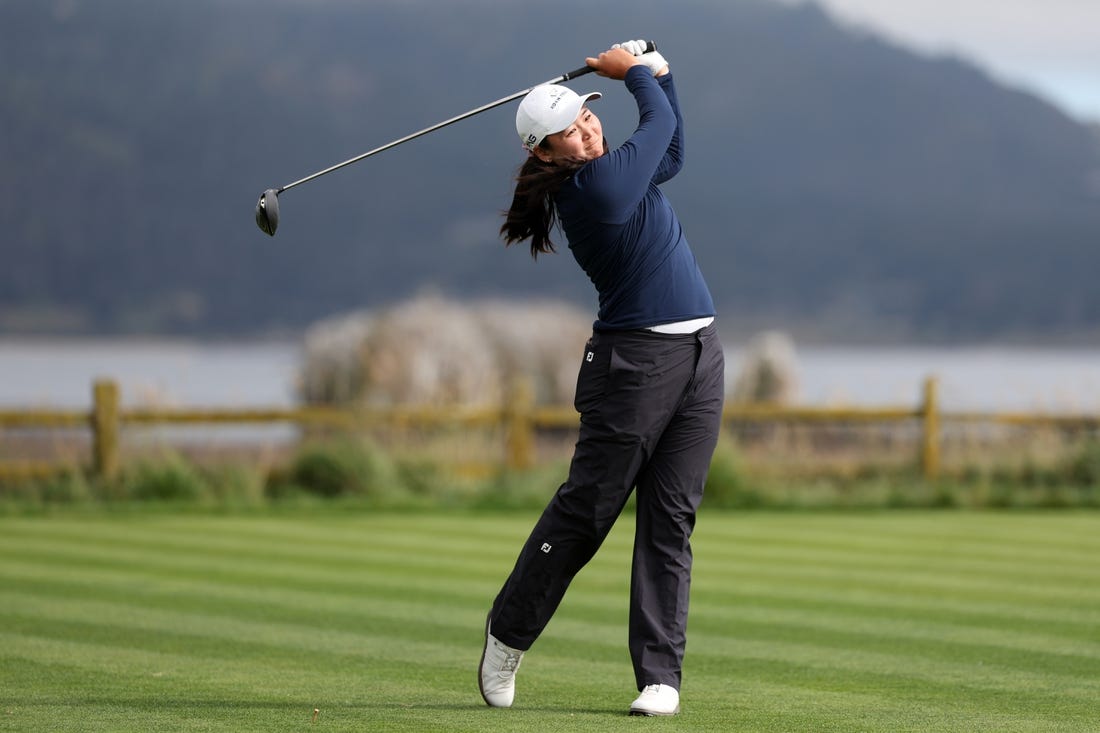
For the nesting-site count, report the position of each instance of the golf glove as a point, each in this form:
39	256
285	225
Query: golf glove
652	59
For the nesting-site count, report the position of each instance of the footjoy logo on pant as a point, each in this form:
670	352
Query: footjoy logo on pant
589	356
546	547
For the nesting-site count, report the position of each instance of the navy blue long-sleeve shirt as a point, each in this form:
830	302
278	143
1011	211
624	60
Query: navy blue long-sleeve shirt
623	231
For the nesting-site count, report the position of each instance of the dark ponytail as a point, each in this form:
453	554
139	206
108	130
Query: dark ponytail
533	213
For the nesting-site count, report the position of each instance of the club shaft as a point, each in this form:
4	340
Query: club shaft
504	100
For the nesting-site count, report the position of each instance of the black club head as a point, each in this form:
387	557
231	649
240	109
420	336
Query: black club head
267	212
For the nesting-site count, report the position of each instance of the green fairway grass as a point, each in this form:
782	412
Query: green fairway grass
920	621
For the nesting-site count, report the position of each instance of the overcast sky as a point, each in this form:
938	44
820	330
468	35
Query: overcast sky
1051	47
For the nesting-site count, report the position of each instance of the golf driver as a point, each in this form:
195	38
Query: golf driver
267	208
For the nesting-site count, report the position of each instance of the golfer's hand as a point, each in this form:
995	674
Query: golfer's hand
614	63
636	48
655	61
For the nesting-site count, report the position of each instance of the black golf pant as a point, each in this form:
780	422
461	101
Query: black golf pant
650	408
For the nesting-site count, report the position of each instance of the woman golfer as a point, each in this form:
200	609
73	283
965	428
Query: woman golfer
650	387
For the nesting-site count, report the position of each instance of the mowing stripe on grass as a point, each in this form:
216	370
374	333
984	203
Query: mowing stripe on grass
908	621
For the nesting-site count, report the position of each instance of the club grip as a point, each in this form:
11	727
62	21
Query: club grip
649	47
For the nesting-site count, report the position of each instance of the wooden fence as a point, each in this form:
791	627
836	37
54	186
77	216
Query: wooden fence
520	420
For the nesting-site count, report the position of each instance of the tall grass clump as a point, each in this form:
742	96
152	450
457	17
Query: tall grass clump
1083	467
528	489
169	477
341	467
174	478
70	486
728	484
237	485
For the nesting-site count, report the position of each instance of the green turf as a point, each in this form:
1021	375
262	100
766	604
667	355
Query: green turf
946	621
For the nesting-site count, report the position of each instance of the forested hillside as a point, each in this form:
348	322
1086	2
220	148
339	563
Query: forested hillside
836	185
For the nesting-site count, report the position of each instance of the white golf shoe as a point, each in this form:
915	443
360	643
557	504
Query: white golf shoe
656	700
497	674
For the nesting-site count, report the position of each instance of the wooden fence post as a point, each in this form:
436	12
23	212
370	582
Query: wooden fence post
519	425
930	436
105	428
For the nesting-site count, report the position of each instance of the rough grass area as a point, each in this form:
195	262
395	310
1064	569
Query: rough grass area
904	621
356	470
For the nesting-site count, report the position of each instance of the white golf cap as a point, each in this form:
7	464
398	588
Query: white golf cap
548	109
